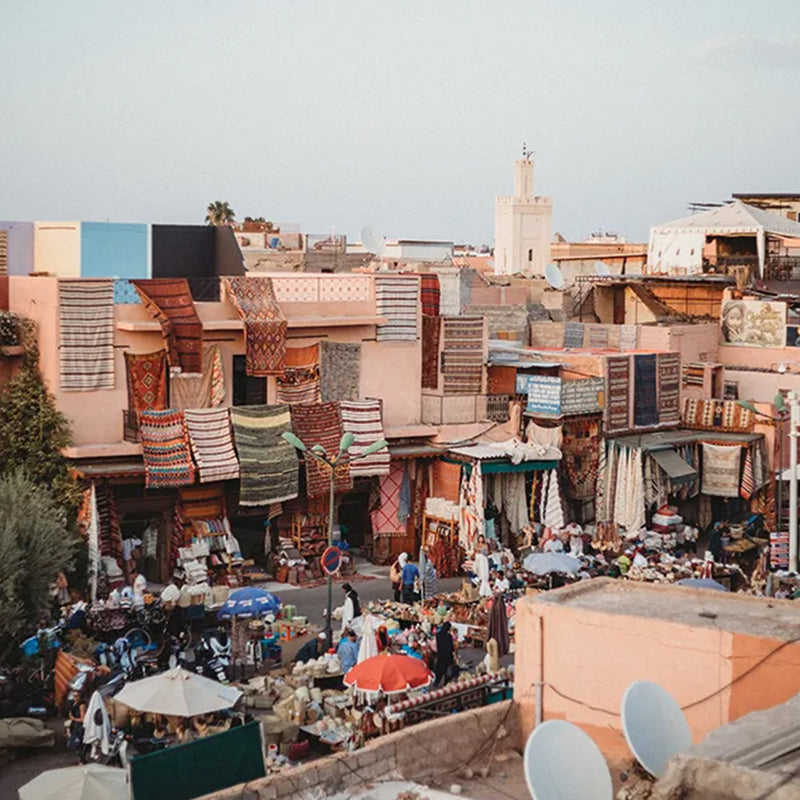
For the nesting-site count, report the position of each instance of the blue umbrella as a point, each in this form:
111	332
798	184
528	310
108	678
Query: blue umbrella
703	583
547	563
249	602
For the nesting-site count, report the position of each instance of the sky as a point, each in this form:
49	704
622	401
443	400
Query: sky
405	116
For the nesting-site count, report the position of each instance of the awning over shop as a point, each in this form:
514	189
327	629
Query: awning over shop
679	470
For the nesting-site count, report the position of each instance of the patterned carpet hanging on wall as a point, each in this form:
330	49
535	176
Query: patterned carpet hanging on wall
340	370
86	335
363	418
397	299
321	424
300	382
431	327
462	355
264	324
200	391
618	402
717	415
269	467
669	387
212	444
645	404
429	294
165	449
146	375
721	467
169	301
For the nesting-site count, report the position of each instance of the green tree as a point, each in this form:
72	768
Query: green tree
220	213
35	545
33	432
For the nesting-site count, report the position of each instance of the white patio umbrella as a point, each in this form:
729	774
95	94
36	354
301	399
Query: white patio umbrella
368	646
85	782
178	693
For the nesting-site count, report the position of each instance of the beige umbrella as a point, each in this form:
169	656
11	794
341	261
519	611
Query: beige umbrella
86	782
178	693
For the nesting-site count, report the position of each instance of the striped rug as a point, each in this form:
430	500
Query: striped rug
300	381
462	355
321	424
165	448
431	328
169	301
429	294
86	324
619	393
669	388
364	419
340	370
269	469
397	299
212	444
264	324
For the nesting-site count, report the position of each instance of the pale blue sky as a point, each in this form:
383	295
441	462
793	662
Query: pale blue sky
403	115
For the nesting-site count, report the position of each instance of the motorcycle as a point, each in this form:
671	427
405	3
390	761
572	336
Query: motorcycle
213	654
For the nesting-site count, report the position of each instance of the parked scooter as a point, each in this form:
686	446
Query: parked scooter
213	654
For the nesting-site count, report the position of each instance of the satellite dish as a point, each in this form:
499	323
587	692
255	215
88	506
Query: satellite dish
654	725
553	276
374	242
563	763
601	269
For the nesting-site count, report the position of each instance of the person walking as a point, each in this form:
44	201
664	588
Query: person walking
396	576
351	613
445	655
410	582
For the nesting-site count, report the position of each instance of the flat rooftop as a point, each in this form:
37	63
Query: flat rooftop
684	605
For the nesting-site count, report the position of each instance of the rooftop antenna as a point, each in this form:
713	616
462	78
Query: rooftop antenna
526	153
553	276
374	242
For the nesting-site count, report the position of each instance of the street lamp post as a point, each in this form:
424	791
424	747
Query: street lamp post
319	453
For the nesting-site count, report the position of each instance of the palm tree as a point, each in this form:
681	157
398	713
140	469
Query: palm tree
220	213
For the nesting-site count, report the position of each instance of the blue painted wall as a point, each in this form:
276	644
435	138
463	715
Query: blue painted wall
20	247
113	249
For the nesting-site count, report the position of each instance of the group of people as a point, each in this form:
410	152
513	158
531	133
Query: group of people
408	583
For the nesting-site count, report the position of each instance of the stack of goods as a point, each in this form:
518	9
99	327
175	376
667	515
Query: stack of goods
669	525
290	566
779	550
309	534
441	508
446	557
225	555
192	569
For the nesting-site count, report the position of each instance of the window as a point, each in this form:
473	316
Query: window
530	255
247	390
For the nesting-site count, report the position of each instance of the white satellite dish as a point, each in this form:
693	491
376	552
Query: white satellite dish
552	274
601	269
563	763
374	242
654	725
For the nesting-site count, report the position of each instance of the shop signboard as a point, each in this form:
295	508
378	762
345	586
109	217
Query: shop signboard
544	395
754	323
584	396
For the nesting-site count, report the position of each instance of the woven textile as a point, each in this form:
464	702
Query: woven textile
431	326
269	470
645	408
300	382
429	294
212	445
717	415
86	324
197	391
618	403
384	518
397	299
321	424
628	337
580	447
462	355
449	294
694	375
264	324
669	387
364	419
169	301
573	335
721	470
110	530
340	370
598	337
165	448
146	375
748	486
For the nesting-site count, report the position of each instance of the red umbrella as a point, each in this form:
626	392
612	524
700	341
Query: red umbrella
389	674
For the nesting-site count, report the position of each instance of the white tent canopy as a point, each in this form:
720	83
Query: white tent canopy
678	246
86	782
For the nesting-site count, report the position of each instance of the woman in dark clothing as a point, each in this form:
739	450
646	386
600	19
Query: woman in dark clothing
444	654
77	712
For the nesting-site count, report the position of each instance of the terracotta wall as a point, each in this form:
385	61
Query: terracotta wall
446	480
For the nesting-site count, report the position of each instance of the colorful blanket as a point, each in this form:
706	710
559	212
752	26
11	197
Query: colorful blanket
165	448
580	447
397	299
300	382
200	391
618	401
169	301
717	415
340	370
86	326
364	419
264	324
645	408
462	355
431	327
321	424
146	375
721	466
212	445
269	470
429	293
669	387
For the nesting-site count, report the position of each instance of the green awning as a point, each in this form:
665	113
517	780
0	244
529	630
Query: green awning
490	467
679	470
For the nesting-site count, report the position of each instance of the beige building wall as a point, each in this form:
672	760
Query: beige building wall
57	248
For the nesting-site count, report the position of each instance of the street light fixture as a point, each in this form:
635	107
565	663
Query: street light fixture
319	453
